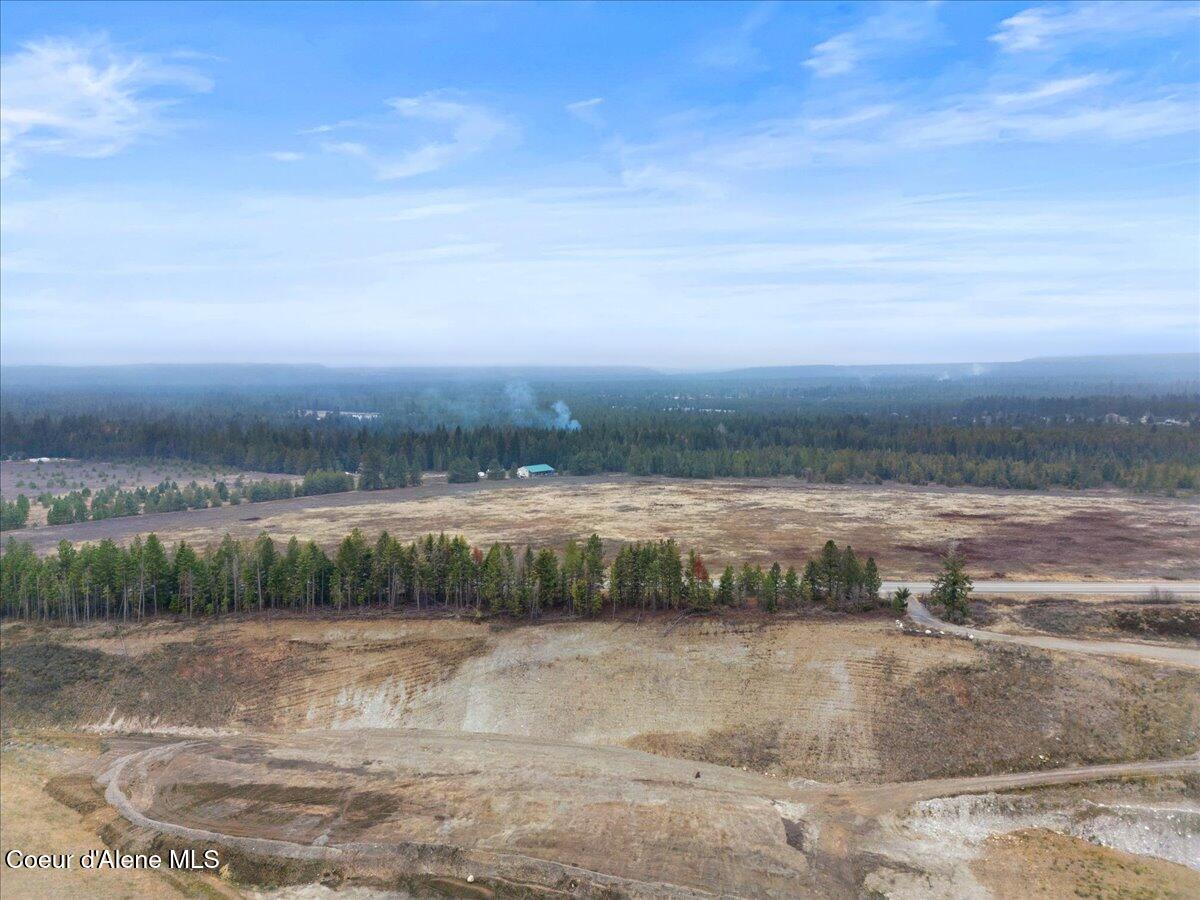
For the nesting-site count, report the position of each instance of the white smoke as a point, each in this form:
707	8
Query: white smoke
524	409
562	417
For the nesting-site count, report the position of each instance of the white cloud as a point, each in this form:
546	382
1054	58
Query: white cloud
86	100
286	156
1037	116
587	111
471	129
1046	28
898	24
1095	106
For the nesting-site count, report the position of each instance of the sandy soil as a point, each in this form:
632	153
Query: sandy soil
1003	534
35	823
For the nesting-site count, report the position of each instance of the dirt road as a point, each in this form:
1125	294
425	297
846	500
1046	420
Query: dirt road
1175	656
1085	588
881	797
423	801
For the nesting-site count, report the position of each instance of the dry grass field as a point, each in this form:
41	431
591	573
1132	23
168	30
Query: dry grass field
1010	533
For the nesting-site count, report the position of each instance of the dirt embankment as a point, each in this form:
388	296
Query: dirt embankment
814	698
1159	620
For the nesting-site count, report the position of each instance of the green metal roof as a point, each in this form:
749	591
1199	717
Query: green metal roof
539	468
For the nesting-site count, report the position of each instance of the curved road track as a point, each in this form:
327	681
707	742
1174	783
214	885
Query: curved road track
838	811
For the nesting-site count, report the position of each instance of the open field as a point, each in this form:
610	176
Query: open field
1011	534
66	475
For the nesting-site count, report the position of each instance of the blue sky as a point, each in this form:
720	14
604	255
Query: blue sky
663	184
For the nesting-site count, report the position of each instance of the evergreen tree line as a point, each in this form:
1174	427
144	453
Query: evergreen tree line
108	582
835	448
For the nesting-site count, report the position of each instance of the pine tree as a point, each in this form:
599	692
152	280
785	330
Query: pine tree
726	590
830	569
370	471
772	585
871	580
791	588
952	588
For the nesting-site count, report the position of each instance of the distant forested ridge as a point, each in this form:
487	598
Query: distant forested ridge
1130	422
105	582
1007	449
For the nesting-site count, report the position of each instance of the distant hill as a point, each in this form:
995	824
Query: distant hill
288	376
1044	375
1142	368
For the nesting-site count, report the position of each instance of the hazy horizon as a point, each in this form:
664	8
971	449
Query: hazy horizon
683	187
666	370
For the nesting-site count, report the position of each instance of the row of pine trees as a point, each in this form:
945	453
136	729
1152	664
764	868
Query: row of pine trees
105	581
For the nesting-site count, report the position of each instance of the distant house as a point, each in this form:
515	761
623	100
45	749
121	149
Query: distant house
535	471
350	414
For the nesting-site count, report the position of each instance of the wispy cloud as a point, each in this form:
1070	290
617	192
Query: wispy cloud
1040	114
462	131
895	26
781	272
734	48
587	111
1052	27
1092	106
286	156
84	99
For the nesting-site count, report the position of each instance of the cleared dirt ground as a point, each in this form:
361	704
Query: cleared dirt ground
1013	534
603	758
811	698
1165	621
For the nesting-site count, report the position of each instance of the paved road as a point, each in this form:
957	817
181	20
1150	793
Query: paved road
1105	588
1186	657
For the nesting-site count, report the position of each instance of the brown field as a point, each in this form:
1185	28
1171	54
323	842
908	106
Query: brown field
1002	533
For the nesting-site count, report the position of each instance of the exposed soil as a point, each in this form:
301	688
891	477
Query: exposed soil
35	822
444	757
818	698
1164	620
1003	533
1038	862
1050	710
